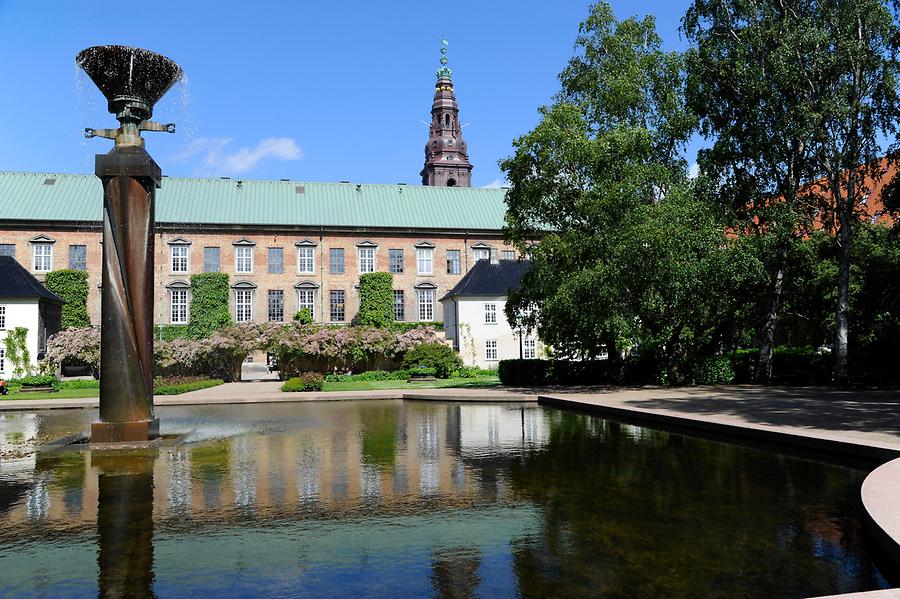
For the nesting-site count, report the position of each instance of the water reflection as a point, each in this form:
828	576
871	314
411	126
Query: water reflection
124	525
421	499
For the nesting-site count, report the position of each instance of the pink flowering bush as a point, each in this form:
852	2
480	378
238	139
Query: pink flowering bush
298	348
316	348
78	346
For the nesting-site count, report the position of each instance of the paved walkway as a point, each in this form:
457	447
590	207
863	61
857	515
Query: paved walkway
862	423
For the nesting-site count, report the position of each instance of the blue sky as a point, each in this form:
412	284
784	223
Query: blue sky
319	91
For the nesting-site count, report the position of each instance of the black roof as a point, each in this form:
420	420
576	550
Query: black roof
15	281
490	279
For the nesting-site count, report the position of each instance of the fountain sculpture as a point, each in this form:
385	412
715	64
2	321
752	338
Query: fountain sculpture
132	80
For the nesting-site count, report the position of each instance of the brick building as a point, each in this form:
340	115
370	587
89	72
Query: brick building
284	244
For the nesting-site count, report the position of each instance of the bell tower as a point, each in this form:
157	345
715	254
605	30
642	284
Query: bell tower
446	154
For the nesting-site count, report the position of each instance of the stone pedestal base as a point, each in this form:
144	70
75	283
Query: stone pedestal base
124	432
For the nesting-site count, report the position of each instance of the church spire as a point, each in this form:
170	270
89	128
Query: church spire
446	154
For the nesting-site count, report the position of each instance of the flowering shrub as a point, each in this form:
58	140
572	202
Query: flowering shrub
299	348
304	348
75	345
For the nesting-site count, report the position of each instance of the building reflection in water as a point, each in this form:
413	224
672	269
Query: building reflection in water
459	499
356	453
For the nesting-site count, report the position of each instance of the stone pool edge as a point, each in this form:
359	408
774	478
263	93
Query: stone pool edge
879	490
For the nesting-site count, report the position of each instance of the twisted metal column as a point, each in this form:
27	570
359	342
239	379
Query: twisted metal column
130	177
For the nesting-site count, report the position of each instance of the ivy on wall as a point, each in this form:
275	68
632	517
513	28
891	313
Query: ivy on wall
72	287
376	300
209	304
17	352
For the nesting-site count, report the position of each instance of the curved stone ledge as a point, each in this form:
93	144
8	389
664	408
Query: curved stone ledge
881	501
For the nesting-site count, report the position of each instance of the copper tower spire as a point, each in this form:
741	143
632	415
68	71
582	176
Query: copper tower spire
446	154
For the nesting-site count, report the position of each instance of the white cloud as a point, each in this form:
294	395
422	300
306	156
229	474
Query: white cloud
497	183
694	171
214	159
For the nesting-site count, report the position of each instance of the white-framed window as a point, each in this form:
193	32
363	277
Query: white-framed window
306	260
482	254
490	313
243	258
529	349
509	254
425	260
426	305
490	350
306	298
366	259
179	257
2	318
43	257
178	306
243	305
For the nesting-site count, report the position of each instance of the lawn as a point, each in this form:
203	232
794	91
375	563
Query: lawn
453	383
61	394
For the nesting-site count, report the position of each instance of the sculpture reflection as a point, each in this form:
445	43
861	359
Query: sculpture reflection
124	525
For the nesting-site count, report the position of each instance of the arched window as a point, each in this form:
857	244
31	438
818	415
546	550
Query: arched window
451	182
447	119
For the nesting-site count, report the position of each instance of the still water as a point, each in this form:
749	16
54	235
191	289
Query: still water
409	499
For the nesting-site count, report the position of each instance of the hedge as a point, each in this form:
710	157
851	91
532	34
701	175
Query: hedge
790	366
179	388
308	381
376	300
72	287
371	375
209	304
536	373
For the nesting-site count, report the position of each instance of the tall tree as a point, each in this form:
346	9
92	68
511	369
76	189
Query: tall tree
610	142
626	251
748	81
859	77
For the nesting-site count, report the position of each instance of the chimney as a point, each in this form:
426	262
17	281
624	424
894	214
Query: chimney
495	256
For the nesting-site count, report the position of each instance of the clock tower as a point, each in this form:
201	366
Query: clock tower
446	154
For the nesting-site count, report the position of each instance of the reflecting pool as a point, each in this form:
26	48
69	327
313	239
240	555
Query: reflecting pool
419	499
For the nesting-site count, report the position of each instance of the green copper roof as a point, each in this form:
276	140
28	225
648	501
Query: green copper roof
78	198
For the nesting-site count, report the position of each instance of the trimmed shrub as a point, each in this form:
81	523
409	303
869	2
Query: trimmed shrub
72	287
371	375
209	304
376	300
442	358
471	372
712	370
536	373
304	316
80	384
308	381
178	385
524	373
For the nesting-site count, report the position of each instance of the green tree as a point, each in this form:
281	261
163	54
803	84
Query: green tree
608	145
209	304
376	300
749	74
72	287
858	77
